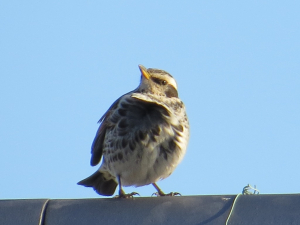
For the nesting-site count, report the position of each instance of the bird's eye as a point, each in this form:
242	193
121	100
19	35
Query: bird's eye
159	81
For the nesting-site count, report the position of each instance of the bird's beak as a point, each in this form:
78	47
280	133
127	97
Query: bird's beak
144	72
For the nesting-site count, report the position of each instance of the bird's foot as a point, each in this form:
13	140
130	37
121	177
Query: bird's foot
163	194
123	195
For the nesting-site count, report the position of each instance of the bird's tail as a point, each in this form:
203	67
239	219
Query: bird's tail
101	184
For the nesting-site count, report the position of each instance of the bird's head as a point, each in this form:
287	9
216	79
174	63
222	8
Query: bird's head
157	82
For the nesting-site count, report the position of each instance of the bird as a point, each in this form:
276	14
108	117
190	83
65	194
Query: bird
142	137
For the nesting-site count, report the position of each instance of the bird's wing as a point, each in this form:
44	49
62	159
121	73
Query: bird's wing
97	146
138	119
133	117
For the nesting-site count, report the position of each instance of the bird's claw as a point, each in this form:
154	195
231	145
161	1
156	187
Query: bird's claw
130	195
163	194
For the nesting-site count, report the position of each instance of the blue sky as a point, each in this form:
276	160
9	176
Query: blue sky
237	65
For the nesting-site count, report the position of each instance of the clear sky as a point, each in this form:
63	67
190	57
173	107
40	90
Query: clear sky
237	65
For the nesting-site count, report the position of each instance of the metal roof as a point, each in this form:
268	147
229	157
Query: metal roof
207	209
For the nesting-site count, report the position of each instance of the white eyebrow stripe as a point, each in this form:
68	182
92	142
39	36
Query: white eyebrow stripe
173	83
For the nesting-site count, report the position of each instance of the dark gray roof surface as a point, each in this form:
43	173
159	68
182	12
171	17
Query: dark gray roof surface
210	210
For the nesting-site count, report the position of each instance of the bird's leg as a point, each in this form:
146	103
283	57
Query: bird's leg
122	194
161	193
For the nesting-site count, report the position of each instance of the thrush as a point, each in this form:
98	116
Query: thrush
142	137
